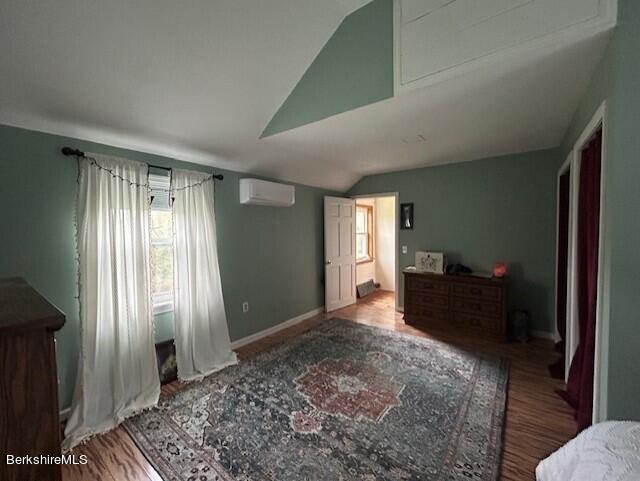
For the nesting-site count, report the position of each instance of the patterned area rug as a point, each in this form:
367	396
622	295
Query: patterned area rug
340	402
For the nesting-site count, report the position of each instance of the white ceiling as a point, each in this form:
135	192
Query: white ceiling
519	105
199	81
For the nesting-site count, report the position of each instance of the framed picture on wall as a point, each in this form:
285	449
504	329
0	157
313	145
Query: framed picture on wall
406	216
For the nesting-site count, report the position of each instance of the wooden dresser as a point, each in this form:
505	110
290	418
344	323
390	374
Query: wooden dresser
29	420
470	304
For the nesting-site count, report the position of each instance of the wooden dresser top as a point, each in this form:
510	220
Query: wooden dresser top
459	277
22	307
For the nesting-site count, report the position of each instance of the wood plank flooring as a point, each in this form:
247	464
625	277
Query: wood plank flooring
538	421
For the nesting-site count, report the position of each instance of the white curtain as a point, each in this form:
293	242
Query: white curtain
117	375
201	333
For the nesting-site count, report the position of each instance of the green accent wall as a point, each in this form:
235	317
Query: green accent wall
498	209
354	68
617	80
271	257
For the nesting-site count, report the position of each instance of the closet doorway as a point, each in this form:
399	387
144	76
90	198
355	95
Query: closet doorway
580	294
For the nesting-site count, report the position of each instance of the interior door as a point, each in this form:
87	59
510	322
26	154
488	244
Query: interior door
339	252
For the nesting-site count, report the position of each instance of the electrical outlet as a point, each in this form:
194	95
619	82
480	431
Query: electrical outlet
245	307
404	249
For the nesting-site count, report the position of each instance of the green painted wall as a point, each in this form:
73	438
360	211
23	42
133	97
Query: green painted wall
354	68
270	257
617	80
163	326
484	211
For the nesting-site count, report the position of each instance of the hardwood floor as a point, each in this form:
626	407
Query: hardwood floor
537	423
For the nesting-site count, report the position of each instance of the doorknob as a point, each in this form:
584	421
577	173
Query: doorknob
327	263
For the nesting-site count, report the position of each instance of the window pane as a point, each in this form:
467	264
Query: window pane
362	245
361	221
160	183
161	225
161	269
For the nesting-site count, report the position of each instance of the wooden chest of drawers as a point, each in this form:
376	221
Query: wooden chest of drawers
29	421
471	304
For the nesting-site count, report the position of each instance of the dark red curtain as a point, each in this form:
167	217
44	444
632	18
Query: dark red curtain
580	383
557	368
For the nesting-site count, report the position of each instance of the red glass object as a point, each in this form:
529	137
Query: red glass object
499	269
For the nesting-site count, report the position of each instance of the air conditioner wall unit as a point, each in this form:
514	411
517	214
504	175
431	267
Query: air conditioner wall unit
262	192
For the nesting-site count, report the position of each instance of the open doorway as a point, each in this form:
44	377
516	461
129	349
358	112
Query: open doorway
376	244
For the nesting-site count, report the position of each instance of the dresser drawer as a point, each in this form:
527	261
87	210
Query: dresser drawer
488	293
425	298
480	308
427	285
425	312
460	319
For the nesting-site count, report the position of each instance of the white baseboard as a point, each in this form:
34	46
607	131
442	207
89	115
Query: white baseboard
543	335
278	327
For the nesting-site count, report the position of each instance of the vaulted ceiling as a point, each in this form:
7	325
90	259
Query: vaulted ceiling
196	80
200	80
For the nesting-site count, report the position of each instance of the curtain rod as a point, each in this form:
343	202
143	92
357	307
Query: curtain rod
69	152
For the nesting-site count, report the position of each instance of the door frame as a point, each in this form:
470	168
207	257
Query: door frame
566	166
396	197
599	120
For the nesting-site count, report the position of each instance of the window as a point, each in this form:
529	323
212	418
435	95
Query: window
161	244
364	233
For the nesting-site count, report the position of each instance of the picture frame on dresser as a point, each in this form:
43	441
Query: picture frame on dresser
431	262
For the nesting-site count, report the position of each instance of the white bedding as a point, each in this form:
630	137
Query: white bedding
608	451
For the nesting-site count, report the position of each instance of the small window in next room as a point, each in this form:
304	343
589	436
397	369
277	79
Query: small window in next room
364	233
161	243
